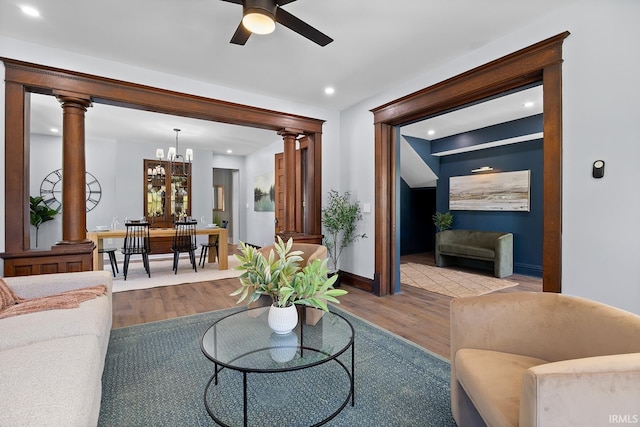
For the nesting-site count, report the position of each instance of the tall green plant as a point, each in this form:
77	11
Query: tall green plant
340	219
39	213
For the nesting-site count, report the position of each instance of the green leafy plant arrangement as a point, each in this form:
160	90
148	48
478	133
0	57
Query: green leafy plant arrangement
39	213
442	220
280	277
340	219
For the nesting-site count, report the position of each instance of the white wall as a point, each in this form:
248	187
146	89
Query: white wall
600	121
236	163
51	159
260	225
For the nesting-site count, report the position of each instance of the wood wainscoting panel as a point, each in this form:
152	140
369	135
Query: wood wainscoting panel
60	259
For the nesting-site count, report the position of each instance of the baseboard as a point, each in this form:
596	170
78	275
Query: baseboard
527	269
356	281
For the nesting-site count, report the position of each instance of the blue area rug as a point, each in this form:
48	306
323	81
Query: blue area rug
155	375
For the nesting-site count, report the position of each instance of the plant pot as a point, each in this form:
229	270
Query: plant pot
312	315
282	320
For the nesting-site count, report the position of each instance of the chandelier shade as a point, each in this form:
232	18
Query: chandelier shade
177	161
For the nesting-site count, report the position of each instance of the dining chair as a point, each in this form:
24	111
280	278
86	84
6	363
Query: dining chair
136	241
204	250
112	258
184	240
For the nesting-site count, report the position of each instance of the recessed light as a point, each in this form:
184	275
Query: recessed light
54	130
431	132
30	11
528	104
229	151
329	90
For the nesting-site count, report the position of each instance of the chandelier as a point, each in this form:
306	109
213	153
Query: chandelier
177	161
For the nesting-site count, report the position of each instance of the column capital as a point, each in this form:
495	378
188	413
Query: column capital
289	132
73	99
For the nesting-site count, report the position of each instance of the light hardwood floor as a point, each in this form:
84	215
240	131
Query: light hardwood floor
415	314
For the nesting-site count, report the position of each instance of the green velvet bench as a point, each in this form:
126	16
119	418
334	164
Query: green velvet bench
490	246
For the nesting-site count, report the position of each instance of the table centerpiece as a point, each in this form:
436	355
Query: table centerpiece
279	276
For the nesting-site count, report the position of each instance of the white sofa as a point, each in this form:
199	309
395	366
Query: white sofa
51	362
543	359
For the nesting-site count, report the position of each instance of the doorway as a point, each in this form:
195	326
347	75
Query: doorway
541	62
22	79
225	201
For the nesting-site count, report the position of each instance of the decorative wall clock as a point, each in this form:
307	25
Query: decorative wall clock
51	190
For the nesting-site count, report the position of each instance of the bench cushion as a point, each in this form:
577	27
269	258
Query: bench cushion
93	317
493	381
463	250
55	382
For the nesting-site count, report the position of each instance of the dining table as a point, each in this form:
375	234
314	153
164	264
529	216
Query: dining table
99	236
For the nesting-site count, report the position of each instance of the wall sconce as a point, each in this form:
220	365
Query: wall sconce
482	169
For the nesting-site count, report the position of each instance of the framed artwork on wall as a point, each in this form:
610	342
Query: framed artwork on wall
504	191
264	193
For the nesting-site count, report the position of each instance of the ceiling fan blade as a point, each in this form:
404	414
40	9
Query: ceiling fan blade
281	2
302	28
241	35
233	1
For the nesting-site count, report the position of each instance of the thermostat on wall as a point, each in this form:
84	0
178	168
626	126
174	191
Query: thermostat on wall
598	169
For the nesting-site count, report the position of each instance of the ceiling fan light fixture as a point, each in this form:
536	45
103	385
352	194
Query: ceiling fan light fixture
259	21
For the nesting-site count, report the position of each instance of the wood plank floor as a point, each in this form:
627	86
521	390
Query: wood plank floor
415	314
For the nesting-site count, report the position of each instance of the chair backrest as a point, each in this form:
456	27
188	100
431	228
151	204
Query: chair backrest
185	237
310	252
136	240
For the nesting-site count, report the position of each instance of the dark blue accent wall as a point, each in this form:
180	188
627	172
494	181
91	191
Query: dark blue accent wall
525	226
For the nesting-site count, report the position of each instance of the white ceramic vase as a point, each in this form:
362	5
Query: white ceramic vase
283	320
283	347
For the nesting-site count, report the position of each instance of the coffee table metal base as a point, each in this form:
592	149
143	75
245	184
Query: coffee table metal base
213	381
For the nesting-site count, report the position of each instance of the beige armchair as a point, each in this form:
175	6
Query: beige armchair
309	251
543	359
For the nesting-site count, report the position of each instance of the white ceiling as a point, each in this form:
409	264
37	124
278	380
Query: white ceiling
506	108
378	43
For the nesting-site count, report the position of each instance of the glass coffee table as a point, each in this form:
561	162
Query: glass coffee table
262	378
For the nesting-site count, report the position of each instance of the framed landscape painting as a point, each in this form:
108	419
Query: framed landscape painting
504	191
264	193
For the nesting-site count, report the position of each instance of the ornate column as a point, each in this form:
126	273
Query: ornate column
289	136
74	217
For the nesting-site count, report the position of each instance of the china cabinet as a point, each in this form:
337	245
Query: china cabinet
167	197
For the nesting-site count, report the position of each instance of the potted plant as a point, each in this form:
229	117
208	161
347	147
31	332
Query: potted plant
340	219
39	213
442	220
279	276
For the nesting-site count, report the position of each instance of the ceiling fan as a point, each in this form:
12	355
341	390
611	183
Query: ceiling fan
260	17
